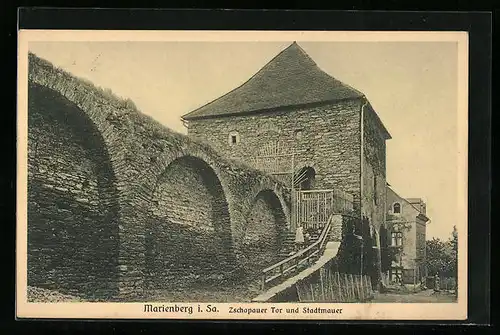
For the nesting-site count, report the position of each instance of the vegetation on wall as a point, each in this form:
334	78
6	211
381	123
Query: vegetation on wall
389	252
356	237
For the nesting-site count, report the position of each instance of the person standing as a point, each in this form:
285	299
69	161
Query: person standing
299	237
436	283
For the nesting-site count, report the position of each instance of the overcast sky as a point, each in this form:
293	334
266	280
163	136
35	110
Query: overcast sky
411	85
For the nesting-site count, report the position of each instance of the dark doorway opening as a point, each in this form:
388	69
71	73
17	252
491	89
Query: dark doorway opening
304	178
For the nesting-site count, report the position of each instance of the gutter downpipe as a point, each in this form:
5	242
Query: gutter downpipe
362	153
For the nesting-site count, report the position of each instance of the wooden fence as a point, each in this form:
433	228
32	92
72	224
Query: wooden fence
314	207
444	283
335	287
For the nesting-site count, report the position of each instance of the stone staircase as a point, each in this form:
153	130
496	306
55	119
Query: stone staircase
288	245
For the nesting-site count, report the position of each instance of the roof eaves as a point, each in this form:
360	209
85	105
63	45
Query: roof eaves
267	110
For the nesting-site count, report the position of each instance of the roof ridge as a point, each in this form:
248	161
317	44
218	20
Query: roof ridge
305	54
244	83
307	68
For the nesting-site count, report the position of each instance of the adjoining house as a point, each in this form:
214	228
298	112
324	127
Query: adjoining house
291	105
405	233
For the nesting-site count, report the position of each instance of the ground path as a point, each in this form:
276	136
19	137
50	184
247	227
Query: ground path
425	296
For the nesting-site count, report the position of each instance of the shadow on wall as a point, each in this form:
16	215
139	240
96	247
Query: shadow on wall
188	238
73	209
264	234
356	253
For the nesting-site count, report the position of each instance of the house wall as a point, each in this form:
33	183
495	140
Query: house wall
326	138
409	215
420	246
374	170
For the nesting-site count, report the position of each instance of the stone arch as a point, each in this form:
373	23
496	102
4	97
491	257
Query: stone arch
188	237
264	232
73	207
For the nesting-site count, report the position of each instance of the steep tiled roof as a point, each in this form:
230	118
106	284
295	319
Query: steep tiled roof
289	79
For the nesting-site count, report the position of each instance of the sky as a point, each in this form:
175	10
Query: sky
411	85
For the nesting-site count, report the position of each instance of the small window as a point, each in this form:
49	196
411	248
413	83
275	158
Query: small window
396	208
234	138
375	195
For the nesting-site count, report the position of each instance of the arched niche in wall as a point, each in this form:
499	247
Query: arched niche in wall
304	179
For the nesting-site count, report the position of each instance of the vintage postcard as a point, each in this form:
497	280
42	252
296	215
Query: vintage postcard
242	175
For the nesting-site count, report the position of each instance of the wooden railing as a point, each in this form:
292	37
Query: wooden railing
284	267
314	207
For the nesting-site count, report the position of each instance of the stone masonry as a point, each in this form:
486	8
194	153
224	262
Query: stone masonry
108	188
325	138
331	127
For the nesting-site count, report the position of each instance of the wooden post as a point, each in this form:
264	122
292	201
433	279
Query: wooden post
332	203
348	287
298	287
325	213
368	293
351	277
322	284
341	296
361	289
340	287
358	286
365	287
318	197
263	284
414	278
351	287
332	287
345	293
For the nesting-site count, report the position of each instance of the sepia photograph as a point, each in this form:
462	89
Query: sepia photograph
289	175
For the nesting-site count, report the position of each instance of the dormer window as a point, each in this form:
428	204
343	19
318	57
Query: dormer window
234	138
396	208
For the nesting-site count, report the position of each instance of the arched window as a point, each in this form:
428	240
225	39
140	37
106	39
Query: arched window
396	208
